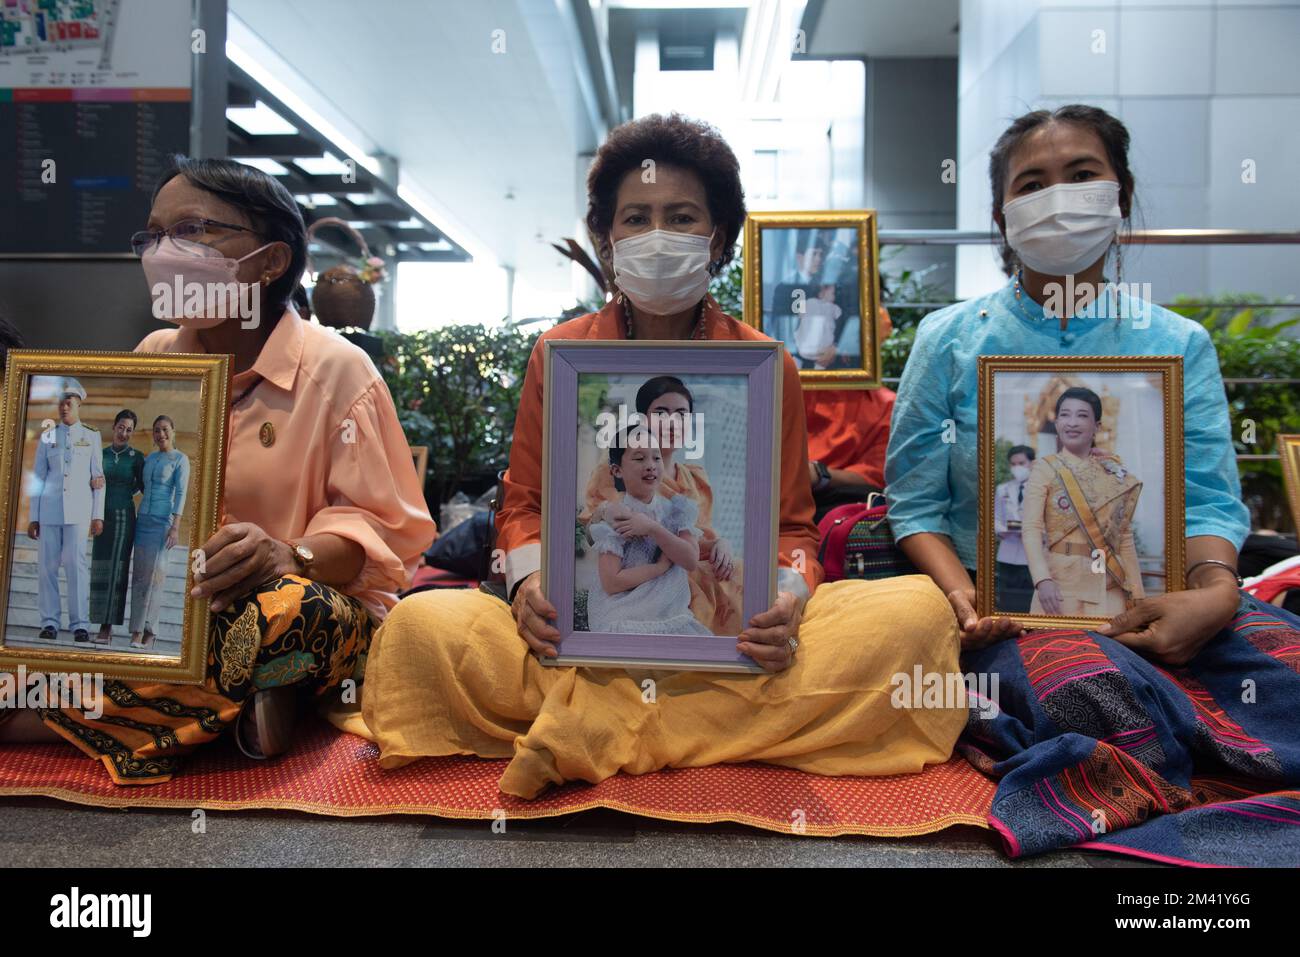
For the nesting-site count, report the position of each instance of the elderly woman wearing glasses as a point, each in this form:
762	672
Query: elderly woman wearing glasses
324	517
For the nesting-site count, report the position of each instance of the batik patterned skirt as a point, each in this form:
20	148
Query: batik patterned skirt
1096	746
110	563
291	631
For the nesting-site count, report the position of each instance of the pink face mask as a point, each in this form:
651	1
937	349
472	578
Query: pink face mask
195	286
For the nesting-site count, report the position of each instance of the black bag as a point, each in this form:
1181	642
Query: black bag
461	550
1261	551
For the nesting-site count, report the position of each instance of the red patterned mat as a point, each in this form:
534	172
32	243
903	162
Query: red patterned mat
333	773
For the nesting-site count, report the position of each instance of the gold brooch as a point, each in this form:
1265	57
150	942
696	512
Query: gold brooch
267	434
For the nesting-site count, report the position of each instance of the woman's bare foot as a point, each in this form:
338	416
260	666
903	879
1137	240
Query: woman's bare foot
105	635
135	640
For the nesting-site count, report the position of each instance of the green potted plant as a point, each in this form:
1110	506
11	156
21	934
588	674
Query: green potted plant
456	390
1253	347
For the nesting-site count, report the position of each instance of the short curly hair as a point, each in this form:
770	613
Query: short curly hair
671	140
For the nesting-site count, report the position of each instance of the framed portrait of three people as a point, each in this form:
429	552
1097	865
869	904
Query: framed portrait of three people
110	481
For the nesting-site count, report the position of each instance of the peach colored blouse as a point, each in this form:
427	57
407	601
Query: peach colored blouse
339	462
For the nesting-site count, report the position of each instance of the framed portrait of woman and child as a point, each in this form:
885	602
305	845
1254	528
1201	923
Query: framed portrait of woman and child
1081	486
110	478
659	522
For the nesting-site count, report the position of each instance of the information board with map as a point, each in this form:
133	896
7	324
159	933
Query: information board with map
95	95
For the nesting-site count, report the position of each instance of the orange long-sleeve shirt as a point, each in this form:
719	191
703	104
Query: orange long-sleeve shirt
849	429
519	522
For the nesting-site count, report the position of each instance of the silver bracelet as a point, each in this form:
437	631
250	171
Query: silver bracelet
1210	561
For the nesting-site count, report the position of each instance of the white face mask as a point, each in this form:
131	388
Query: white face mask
1021	472
663	272
172	265
1064	229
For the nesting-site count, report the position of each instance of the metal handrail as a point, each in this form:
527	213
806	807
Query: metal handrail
1241	457
903	304
891	381
1153	237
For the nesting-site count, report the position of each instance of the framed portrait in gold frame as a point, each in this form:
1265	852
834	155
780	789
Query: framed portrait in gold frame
1081	486
111	472
812	283
1288	448
420	456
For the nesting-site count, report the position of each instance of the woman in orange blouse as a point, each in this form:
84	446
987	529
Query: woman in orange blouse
715	580
456	672
325	519
848	431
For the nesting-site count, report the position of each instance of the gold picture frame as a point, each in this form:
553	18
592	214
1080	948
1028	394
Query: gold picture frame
201	512
1288	450
1068	371
863	222
420	457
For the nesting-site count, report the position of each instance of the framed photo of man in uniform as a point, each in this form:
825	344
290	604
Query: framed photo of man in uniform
1081	486
812	284
110	481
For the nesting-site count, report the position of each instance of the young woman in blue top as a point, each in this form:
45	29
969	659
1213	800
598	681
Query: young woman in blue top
166	479
1061	189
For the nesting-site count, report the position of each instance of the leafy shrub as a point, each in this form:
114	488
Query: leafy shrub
456	391
1252	346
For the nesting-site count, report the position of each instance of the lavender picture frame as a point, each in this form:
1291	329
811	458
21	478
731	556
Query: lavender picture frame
565	362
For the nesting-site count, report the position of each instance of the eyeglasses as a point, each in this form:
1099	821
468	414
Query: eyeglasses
192	230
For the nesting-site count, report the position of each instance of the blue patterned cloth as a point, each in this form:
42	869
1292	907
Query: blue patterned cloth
1095	746
933	485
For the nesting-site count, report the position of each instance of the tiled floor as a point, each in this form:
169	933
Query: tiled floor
41	833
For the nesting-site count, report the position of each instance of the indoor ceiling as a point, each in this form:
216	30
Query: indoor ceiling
882	28
496	139
390	226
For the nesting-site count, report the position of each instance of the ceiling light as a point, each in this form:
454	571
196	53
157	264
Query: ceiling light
265	164
327	165
260	120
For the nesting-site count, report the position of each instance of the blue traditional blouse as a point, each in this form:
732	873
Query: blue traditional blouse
166	477
933	484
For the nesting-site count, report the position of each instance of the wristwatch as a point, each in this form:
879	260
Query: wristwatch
823	475
303	556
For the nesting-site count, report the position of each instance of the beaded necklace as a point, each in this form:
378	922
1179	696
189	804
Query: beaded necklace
697	327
